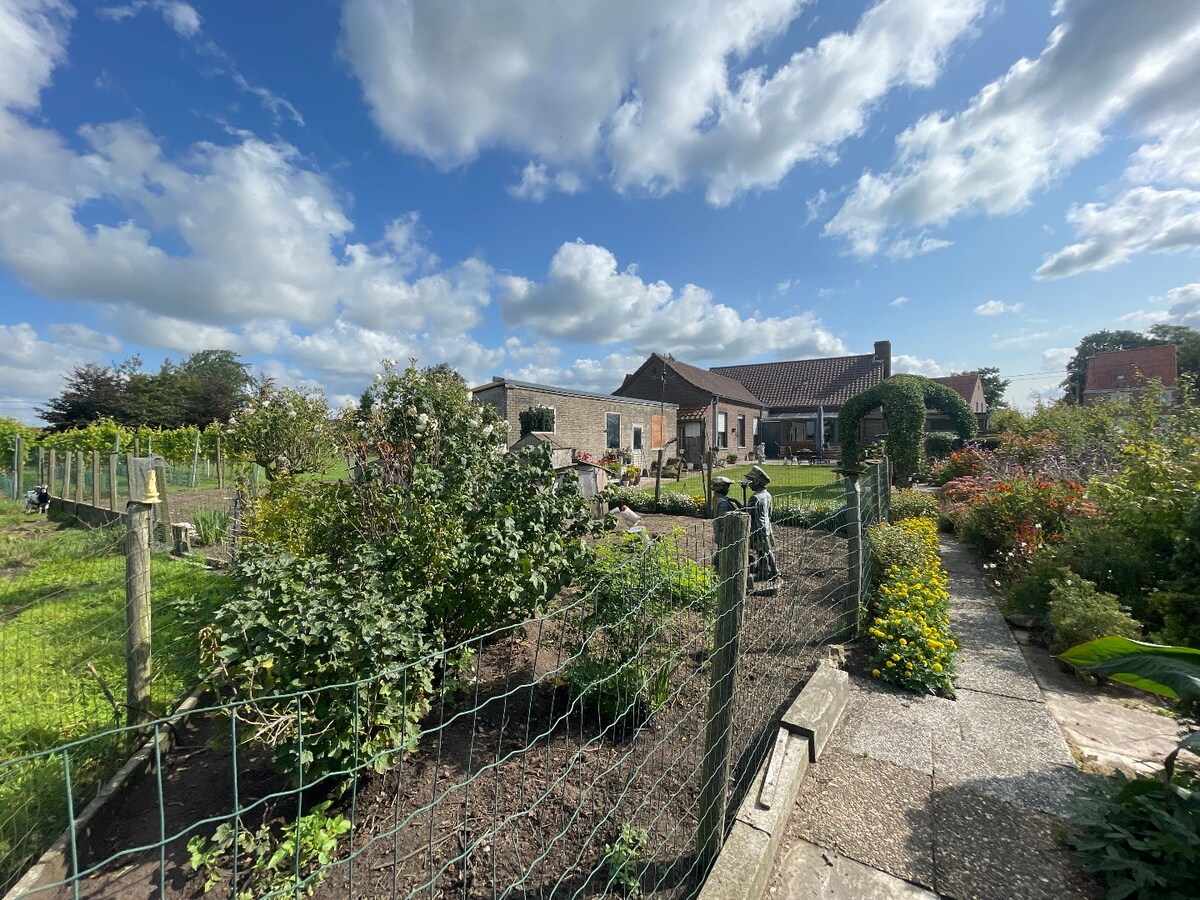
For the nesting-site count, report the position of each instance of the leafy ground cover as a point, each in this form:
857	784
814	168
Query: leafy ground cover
62	645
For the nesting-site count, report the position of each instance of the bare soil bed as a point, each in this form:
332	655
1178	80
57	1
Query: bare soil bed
515	786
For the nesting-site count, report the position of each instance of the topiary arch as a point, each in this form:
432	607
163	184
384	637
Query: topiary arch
904	399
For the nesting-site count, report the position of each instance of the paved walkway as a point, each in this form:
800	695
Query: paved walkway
924	797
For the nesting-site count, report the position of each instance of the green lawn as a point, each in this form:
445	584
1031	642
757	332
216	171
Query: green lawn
817	482
62	607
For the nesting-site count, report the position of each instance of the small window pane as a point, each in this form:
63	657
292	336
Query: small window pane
612	423
637	437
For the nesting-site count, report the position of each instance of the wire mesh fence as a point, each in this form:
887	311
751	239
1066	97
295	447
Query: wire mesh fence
561	756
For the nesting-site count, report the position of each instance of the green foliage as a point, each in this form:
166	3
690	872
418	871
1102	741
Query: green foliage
1029	592
10	430
964	463
904	399
306	624
909	638
212	526
1169	671
536	418
1079	613
1180	614
940	444
1187	344
1142	835
204	387
1009	521
267	865
909	503
626	859
284	430
798	511
623	650
1141	839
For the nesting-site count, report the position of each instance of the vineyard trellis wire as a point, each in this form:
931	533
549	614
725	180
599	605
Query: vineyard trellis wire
561	756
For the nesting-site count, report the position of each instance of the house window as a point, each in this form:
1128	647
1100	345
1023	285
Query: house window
612	428
637	437
722	431
741	434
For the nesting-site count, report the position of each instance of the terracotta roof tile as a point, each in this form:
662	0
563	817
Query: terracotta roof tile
963	385
807	382
712	381
1114	370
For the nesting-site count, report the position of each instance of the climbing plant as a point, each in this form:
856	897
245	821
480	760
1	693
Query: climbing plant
537	418
904	399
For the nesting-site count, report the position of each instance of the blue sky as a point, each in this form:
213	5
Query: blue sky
552	189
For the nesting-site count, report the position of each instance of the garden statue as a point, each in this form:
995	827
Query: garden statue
764	567
722	502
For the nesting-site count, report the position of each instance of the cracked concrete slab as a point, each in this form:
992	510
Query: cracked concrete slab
809	872
884	724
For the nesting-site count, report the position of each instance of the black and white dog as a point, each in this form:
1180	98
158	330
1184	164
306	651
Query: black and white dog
38	499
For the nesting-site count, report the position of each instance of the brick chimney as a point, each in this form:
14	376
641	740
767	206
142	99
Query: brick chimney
883	354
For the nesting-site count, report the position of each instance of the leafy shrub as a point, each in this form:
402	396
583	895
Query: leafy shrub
909	639
1141	835
536	418
286	431
961	463
909	503
1100	551
305	624
1079	613
940	444
623	653
731	458
1180	615
1029	593
670	502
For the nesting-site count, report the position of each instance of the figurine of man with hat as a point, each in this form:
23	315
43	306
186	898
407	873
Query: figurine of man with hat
761	532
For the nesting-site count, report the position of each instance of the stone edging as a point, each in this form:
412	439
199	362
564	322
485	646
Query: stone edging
747	858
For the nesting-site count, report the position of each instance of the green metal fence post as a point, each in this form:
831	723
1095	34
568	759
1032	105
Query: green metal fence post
854	593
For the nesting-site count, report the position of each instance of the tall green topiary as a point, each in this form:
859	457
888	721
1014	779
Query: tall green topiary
904	399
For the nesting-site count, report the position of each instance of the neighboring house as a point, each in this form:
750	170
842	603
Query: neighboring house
969	386
583	421
803	398
713	405
1123	373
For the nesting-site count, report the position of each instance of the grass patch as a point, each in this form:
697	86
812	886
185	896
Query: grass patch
62	615
816	482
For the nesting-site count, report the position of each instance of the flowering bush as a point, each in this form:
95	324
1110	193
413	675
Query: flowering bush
908	503
1080	613
909	636
1010	520
286	431
967	461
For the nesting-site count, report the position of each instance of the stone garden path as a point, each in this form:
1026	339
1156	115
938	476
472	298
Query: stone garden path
924	797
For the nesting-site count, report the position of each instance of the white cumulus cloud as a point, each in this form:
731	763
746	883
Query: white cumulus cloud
658	94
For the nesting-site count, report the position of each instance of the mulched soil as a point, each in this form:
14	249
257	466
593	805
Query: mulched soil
515	787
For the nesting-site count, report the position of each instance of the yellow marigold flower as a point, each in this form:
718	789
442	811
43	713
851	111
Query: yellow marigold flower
890	664
937	667
896	657
875	672
903	642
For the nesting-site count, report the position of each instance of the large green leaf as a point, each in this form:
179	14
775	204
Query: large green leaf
1161	669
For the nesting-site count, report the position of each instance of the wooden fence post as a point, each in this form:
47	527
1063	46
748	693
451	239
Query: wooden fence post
96	478
78	477
42	477
732	532
137	613
113	460
129	458
852	609
53	472
220	466
18	466
66	489
658	478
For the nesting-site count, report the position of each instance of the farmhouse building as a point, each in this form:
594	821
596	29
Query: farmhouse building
715	411
1123	373
583	421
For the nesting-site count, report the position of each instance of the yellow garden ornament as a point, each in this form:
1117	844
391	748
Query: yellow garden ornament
151	493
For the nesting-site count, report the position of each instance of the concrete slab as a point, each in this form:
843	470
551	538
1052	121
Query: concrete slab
872	811
817	710
987	849
1010	749
884	724
746	851
996	671
808	872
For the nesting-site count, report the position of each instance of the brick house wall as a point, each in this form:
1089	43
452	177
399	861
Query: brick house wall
580	419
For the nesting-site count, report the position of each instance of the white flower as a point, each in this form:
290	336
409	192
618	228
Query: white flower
378	378
423	418
487	430
1037	525
411	411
